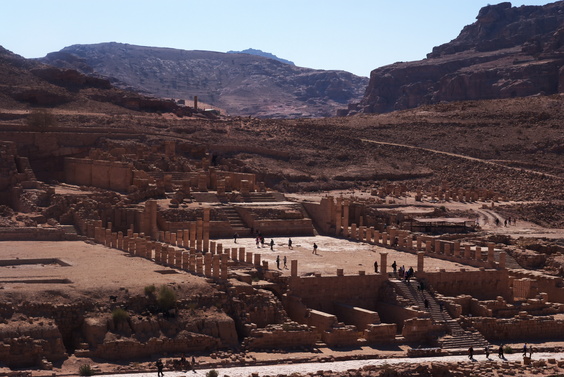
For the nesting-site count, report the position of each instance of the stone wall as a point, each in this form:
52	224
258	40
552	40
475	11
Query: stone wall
321	292
522	326
484	285
111	175
32	234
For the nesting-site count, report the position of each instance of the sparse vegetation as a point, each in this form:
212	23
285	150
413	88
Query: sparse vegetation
166	298
85	370
212	373
119	315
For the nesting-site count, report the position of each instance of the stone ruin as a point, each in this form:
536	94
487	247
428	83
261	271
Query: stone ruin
485	301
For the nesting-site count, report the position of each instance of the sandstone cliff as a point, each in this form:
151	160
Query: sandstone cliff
241	84
508	52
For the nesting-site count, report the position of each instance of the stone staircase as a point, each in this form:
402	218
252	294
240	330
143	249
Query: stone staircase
457	337
259	197
236	222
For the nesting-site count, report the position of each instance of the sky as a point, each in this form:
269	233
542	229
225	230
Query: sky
351	35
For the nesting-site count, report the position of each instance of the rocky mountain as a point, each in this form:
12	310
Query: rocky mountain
26	83
241	84
256	52
508	52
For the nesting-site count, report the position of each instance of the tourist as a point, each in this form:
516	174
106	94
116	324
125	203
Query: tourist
530	351
278	261
235	236
525	350
290	244
160	367
376	266
257	240
426	304
262	241
314	249
487	352
471	353
500	352
271	244
285	260
394	267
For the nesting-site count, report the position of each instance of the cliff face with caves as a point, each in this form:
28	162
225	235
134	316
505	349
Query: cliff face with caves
508	52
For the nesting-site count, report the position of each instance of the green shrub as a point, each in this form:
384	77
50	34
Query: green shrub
150	290
508	350
85	370
120	315
212	373
166	298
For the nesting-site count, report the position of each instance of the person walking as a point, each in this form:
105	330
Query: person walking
525	350
500	352
160	367
314	249
376	266
290	244
285	260
487	352
471	353
271	244
278	261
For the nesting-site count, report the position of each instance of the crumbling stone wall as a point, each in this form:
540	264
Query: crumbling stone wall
484	285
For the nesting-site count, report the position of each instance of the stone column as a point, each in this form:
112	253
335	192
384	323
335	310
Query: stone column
158	252
419	242
491	250
294	267
385	239
216	263
223	274
376	237
234	254
186	261
478	253
199	234
370	235
457	249
447	249
120	241
428	246
420	261
219	248
249	257
212	247
206	229
193	235
362	233
438	247
384	263
346	218
178	258
353	234
467	252
257	260
192	262
338	216
199	265
241	254
502	259
208	264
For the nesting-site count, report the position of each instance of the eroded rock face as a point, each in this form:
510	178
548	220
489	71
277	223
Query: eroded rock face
508	52
241	84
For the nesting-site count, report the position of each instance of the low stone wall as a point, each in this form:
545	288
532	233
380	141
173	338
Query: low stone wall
341	336
32	234
353	315
381	333
522	326
278	336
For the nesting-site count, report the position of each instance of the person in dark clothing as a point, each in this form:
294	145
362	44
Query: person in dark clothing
160	367
376	266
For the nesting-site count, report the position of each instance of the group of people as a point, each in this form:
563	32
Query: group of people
500	353
180	364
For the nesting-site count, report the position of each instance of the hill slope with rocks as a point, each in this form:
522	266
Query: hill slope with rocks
241	84
508	52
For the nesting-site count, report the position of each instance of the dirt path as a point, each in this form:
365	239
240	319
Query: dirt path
461	156
343	366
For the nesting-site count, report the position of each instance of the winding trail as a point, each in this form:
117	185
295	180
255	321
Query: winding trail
475	159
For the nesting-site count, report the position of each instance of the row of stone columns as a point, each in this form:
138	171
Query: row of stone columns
213	263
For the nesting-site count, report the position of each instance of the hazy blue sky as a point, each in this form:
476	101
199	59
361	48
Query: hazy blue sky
353	35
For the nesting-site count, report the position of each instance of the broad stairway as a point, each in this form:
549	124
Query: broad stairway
457	337
236	222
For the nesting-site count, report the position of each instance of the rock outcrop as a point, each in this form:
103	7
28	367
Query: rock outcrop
239	83
508	52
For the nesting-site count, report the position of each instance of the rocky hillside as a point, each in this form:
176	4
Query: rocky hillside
26	83
508	52
241	84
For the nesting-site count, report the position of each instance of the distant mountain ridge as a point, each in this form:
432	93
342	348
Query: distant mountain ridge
241	83
508	52
268	55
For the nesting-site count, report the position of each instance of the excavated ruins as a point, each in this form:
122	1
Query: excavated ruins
118	263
